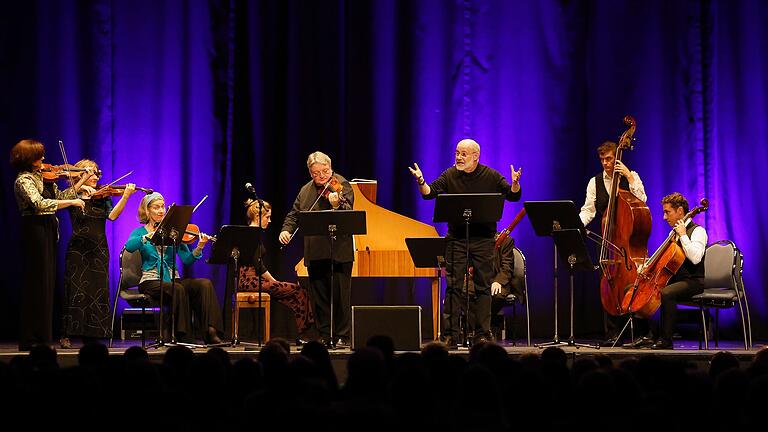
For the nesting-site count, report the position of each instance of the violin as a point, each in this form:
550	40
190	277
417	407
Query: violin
644	299
334	185
505	232
192	233
115	190
52	173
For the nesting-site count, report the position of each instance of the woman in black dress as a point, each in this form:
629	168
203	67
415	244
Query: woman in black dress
86	278
37	202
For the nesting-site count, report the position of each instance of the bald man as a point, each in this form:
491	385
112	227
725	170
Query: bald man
468	175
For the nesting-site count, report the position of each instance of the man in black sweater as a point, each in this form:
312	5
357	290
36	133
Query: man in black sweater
469	176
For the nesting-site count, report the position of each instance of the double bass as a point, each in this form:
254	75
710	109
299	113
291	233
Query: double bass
644	298
626	227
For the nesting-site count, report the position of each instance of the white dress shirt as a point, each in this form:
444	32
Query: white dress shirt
695	245
588	210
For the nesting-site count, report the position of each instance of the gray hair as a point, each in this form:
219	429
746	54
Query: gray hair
318	157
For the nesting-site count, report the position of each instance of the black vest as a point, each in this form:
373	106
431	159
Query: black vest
601	193
690	270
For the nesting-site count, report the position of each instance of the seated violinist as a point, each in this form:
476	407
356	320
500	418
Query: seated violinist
292	295
689	279
189	294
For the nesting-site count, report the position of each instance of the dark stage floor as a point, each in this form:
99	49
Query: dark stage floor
685	350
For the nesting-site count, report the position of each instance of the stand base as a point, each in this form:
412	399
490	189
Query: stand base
570	342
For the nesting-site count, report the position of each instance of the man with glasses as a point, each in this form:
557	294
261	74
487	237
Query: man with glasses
468	175
318	194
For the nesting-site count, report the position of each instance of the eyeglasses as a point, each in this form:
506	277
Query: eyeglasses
326	171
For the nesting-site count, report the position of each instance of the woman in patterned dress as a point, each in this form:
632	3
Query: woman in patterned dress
292	295
86	279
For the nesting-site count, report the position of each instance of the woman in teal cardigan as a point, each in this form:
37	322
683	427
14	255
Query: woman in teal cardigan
190	295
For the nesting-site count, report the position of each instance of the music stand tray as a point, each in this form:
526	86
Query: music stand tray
429	252
332	223
340	222
237	245
546	216
482	207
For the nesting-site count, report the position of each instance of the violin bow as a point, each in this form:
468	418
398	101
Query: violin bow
198	204
66	163
114	181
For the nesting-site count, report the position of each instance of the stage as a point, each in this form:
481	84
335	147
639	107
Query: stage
685	351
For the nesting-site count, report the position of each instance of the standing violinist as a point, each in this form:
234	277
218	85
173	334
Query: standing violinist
38	202
468	175
596	202
86	278
189	294
688	281
326	191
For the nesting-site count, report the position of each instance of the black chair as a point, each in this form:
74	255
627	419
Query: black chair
520	284
127	289
723	289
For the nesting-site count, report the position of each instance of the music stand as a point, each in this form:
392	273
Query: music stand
332	223
429	252
546	217
170	231
236	245
570	245
464	209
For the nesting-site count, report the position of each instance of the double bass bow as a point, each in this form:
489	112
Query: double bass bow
626	227
644	298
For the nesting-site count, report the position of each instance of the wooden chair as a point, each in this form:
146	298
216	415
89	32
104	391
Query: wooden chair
250	299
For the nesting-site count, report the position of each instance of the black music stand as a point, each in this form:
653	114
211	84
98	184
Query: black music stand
464	209
546	217
170	231
332	223
237	245
570	245
429	252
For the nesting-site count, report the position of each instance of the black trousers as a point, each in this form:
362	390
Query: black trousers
320	290
189	296
479	309
673	294
39	235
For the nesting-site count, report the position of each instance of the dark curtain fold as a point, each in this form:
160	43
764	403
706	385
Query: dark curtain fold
200	97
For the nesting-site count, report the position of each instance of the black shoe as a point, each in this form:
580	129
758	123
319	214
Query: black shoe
482	338
449	341
610	342
211	337
301	341
663	344
342	342
639	343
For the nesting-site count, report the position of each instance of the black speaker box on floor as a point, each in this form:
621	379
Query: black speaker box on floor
401	323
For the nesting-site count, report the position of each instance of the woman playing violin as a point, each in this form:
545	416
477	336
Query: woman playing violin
689	279
86	278
292	295
320	264
38	202
189	294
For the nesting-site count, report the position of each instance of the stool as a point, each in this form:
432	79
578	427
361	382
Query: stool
250	299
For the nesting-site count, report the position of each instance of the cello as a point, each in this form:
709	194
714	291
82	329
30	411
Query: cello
626	227
644	298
